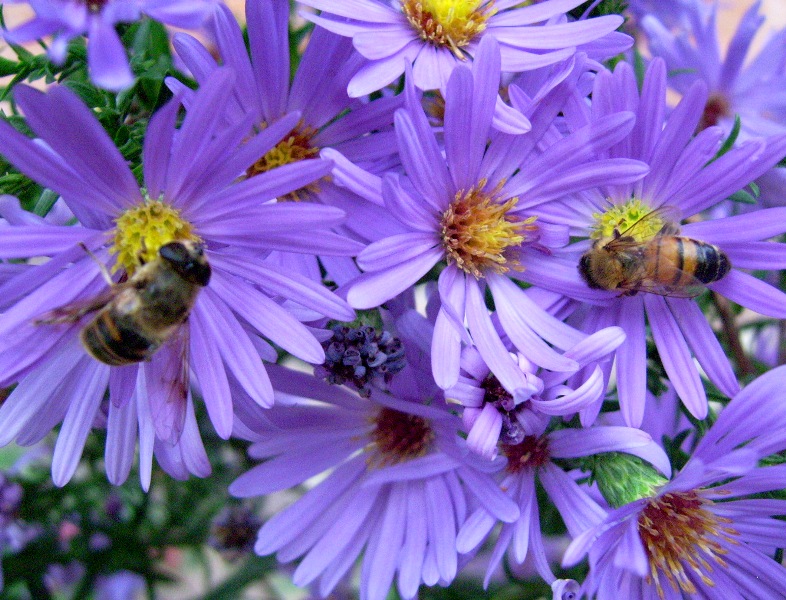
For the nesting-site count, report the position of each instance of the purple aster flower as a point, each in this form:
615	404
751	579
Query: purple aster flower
475	212
493	414
191	194
329	118
708	532
435	36
531	460
361	131
751	87
398	483
684	180
67	19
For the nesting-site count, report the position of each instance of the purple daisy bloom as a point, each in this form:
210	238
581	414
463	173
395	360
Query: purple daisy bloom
398	486
435	36
703	533
329	118
67	19
493	414
190	194
738	85
529	461
684	180
475	209
360	131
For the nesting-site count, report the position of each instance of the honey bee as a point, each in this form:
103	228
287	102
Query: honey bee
145	314
137	316
668	264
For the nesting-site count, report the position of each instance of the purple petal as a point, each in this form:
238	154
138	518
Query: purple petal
120	442
632	361
372	289
704	344
422	159
757	225
675	355
106	57
210	372
86	399
267	317
750	292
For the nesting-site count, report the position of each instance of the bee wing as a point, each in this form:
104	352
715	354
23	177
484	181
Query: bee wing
74	311
663	276
168	393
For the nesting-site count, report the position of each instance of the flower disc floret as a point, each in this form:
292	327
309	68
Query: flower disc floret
294	147
451	23
142	230
531	453
678	531
399	436
622	217
477	231
717	108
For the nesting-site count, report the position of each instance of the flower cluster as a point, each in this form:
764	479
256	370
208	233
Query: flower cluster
464	273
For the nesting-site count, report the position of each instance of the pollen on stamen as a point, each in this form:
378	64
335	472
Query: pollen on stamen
684	540
478	233
622	217
294	147
449	23
398	437
532	452
142	230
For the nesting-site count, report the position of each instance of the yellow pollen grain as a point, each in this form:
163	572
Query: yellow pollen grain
142	230
477	232
622	217
450	23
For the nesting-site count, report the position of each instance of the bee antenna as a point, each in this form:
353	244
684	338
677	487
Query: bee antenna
104	271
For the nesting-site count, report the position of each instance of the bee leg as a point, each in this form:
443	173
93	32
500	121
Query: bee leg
104	271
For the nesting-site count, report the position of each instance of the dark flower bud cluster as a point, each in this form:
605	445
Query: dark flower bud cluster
360	356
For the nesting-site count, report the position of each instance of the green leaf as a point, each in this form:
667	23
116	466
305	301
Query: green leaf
729	141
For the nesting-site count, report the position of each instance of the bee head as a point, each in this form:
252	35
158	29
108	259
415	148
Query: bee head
188	259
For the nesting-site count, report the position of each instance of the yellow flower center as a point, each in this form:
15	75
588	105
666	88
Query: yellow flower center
680	535
477	231
293	148
398	437
622	217
451	23
142	230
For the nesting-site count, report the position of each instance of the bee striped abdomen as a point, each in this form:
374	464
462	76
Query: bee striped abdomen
711	263
108	340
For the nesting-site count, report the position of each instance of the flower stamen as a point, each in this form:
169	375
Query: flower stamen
622	217
294	147
451	23
477	231
531	453
399	437
142	230
681	536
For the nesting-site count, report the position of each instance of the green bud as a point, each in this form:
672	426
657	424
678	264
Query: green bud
623	478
